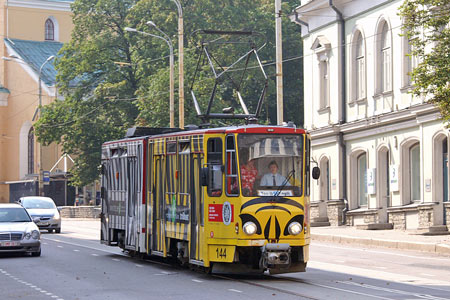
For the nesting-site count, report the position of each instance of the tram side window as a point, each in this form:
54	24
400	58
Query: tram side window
215	165
231	175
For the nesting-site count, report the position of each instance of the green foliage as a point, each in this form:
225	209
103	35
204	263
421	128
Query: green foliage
426	26
103	98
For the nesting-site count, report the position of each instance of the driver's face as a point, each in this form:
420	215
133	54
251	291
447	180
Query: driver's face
273	169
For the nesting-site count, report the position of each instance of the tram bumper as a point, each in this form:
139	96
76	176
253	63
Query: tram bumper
275	256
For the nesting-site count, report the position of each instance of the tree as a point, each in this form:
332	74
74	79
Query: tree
93	86
112	79
425	23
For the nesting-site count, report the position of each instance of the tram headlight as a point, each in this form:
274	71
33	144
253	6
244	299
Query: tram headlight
250	228
295	228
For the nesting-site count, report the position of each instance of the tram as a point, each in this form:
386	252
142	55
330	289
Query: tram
231	199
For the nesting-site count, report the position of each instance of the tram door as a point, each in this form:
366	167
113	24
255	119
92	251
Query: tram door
196	206
131	169
158	205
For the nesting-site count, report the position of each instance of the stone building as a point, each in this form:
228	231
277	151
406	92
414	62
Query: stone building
383	153
33	32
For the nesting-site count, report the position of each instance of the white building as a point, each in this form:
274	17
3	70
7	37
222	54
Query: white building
383	153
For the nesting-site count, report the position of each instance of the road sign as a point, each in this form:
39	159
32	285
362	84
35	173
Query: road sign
46	178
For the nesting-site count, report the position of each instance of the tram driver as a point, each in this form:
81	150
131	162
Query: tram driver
274	178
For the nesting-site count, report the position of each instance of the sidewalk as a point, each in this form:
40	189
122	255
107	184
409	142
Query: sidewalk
405	240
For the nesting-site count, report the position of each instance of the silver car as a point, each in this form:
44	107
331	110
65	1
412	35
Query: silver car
18	233
43	211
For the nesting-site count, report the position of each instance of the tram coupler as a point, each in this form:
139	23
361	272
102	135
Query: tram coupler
274	256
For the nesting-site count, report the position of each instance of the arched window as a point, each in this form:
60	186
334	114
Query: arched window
49	30
360	67
385	55
414	162
31	151
362	179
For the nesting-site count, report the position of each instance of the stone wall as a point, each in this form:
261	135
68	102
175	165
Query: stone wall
447	214
80	211
425	217
398	219
314	210
335	212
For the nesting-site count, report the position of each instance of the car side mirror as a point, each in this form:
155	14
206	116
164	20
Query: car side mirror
315	173
36	220
204	176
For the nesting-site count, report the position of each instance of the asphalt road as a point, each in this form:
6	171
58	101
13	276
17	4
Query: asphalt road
74	265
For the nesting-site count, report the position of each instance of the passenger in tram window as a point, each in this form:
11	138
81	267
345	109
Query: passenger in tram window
249	174
273	178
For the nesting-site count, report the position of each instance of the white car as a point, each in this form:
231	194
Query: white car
45	209
18	233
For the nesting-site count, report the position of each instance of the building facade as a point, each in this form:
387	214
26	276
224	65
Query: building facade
33	32
383	152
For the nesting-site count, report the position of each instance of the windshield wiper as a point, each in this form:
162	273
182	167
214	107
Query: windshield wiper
21	221
291	173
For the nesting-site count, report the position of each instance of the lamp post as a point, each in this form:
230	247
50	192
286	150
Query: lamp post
41	170
279	62
171	85
180	63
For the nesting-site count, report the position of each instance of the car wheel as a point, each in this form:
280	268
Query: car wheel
50	230
38	253
58	230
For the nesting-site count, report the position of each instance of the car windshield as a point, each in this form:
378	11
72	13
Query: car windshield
11	214
34	203
271	164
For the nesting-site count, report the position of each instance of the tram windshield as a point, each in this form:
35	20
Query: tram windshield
270	164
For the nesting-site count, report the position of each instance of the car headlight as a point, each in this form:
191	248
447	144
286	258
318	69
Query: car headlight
27	235
295	228
56	216
249	228
35	234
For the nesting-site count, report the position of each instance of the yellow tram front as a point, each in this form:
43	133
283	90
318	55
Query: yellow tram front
257	200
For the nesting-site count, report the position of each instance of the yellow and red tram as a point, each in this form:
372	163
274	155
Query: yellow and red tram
189	194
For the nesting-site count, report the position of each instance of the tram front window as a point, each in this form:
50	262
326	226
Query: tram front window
270	164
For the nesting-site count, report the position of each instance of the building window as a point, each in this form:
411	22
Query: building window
325	179
49	30
409	62
324	84
386	57
362	179
31	151
414	156
360	67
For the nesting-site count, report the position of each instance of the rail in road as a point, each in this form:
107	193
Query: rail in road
74	265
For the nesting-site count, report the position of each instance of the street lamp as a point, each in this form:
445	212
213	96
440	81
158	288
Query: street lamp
41	170
171	85
180	63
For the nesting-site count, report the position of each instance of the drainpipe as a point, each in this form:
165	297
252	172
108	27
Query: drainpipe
342	119
300	22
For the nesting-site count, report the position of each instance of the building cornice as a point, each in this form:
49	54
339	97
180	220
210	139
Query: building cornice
378	124
41	4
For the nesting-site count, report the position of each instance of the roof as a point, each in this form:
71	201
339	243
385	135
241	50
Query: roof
3	89
10	205
35	53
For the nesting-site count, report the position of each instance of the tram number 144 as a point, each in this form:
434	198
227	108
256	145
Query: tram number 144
221	253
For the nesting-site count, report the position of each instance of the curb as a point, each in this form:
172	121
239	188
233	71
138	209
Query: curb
443	249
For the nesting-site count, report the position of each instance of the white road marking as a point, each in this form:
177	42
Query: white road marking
38	289
139	266
431	275
394	291
196	280
59	246
382	275
340	261
349	291
382	252
94	254
236	291
76	250
115	259
382	268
